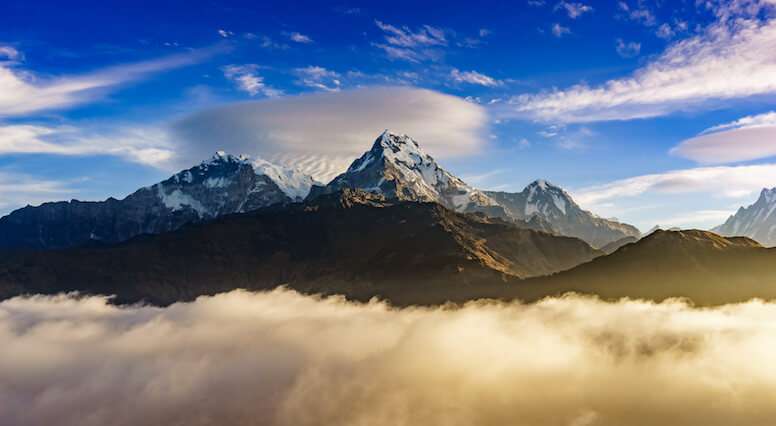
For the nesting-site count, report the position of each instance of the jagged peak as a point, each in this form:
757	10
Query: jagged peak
221	157
543	188
768	195
393	148
544	185
396	142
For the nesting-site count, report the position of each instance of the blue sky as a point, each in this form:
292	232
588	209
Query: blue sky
650	111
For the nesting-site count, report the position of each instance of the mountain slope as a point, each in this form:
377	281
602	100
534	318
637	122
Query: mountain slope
703	266
352	243
397	168
224	184
757	221
555	206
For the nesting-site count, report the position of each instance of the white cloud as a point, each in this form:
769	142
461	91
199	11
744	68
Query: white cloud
247	79
224	33
268	43
748	138
139	145
413	46
281	359
639	13
574	10
319	78
473	77
300	38
22	92
720	181
665	31
559	30
627	50
322	133
767	119
732	59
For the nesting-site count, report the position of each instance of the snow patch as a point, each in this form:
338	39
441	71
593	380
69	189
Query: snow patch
177	200
295	184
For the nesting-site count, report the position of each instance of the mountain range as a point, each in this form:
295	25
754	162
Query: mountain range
350	242
224	184
395	167
556	206
394	225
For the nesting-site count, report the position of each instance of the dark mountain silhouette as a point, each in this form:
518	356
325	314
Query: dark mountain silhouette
353	243
705	267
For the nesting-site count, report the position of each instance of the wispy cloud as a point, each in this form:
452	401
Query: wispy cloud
9	53
627	50
733	58
574	10
473	77
247	79
299	38
319	78
559	30
638	12
748	138
721	181
140	145
414	46
22	92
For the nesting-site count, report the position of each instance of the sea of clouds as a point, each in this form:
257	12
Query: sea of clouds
281	358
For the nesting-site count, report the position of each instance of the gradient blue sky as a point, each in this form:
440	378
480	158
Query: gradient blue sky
651	111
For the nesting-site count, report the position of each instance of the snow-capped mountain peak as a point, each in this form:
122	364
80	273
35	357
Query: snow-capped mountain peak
768	196
398	168
221	185
547	199
556	206
227	183
293	182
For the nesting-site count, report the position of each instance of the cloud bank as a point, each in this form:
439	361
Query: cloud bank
279	358
321	133
748	138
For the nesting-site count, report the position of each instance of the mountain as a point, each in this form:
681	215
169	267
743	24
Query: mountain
353	242
222	185
555	206
397	168
661	228
758	221
703	266
615	245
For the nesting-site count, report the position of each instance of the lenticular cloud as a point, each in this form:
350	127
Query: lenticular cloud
281	358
